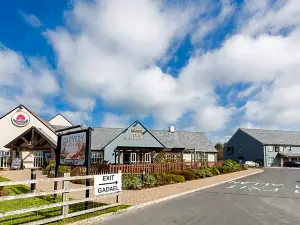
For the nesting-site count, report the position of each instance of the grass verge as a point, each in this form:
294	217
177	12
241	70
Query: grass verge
18	204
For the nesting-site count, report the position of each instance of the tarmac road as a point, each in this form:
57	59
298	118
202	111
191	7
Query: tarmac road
268	198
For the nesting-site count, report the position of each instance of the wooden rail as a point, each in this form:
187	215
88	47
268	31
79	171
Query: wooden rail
65	198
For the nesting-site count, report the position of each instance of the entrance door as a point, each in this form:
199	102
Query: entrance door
38	159
126	158
46	158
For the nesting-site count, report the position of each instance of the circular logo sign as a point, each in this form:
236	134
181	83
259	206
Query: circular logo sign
20	119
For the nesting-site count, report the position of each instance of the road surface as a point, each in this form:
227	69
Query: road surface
268	198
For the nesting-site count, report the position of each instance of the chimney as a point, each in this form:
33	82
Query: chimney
172	129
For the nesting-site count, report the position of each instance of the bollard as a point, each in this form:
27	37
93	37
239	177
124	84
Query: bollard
143	177
33	177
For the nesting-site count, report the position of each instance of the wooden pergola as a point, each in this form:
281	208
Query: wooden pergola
33	139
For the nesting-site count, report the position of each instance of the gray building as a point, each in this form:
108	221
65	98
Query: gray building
267	147
138	144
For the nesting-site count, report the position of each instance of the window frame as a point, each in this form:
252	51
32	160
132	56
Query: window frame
273	160
133	155
232	150
147	158
95	156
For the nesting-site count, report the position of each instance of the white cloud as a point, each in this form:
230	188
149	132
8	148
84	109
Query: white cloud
110	54
115	121
31	19
271	16
27	81
112	57
76	117
209	24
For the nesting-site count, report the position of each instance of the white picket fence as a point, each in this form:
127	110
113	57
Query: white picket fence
66	202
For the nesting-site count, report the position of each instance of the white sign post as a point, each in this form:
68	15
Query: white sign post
107	183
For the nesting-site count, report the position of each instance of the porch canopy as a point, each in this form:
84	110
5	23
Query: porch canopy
157	154
33	139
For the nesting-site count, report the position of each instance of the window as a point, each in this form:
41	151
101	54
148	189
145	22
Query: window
146	158
201	156
271	159
38	159
97	157
133	157
277	148
230	151
271	148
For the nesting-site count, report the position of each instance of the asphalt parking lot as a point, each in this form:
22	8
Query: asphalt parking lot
268	198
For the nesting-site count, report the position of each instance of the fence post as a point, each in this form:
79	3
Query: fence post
65	195
143	176
33	177
119	197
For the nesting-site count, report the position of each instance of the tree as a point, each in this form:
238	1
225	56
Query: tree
219	146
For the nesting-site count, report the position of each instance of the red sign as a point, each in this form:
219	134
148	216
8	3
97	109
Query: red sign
20	119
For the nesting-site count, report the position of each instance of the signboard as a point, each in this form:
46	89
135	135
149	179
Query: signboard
16	163
73	149
137	134
20	119
107	184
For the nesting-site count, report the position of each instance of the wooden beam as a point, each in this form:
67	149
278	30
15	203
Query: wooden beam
32	137
25	140
40	141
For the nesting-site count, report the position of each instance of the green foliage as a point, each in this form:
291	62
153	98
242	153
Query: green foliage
163	179
209	173
176	172
131	182
50	170
215	171
188	175
219	146
200	173
150	180
76	171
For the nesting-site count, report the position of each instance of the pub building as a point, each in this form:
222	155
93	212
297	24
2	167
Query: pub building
28	137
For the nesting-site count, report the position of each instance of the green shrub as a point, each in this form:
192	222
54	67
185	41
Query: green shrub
176	172
150	180
221	169
163	179
178	178
231	165
215	171
131	182
188	175
62	170
209	174
50	170
200	173
76	171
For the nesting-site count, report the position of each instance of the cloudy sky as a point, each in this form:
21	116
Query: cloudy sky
209	66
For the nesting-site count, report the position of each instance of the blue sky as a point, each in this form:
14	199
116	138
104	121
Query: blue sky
211	66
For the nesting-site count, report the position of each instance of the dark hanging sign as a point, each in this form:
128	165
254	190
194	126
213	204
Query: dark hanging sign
74	148
16	163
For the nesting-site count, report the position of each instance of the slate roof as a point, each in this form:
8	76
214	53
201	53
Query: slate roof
179	139
274	137
59	127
